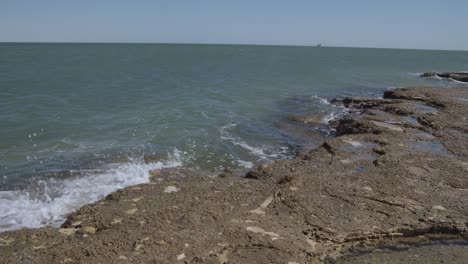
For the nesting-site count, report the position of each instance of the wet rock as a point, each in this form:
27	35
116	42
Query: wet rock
388	126
349	125
457	76
153	158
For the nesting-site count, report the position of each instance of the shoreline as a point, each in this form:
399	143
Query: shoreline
396	172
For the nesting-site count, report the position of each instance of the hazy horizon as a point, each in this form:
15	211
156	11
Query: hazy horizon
227	44
426	25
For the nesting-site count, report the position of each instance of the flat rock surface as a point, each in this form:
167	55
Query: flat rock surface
374	184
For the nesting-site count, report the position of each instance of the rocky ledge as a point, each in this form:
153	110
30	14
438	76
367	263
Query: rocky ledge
457	76
397	173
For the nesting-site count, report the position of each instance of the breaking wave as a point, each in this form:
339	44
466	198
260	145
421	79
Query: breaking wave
60	197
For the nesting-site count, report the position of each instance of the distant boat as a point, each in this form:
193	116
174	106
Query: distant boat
319	45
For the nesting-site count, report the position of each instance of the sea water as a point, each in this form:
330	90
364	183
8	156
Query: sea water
77	120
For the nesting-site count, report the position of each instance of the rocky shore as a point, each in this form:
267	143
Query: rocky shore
396	175
457	76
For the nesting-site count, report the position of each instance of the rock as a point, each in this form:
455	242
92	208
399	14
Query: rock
439	207
7	241
68	231
171	189
153	158
457	76
181	256
259	230
387	125
89	230
131	211
349	125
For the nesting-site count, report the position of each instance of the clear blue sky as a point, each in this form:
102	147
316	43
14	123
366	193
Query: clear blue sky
429	24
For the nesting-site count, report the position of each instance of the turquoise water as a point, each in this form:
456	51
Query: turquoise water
76	114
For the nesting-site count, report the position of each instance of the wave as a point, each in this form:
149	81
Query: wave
321	100
61	197
336	112
264	152
415	73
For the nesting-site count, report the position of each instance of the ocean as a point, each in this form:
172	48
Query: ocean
79	121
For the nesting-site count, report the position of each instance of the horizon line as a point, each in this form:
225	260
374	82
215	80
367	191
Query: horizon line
318	45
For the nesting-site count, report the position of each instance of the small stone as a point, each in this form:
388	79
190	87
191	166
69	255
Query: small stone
116	221
267	202
137	199
312	244
292	188
353	143
223	258
256	229
89	230
7	241
76	223
439	207
388	126
258	211
161	242
416	171
171	189
39	247
68	231
346	161
131	211
367	188
122	257
181	256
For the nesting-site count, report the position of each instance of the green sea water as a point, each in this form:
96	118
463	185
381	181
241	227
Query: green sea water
77	119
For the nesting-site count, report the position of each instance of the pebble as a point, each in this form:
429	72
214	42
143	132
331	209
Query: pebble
439	207
171	189
181	256
131	211
256	229
353	143
388	126
89	230
68	231
137	199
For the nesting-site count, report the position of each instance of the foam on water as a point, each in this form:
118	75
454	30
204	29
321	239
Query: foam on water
262	152
245	164
321	100
336	112
61	197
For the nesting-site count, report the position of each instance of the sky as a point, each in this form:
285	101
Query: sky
414	24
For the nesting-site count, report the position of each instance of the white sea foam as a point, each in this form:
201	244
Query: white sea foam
261	152
336	112
415	73
328	117
321	100
245	164
60	197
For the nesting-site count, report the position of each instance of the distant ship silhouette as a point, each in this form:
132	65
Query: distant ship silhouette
319	45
